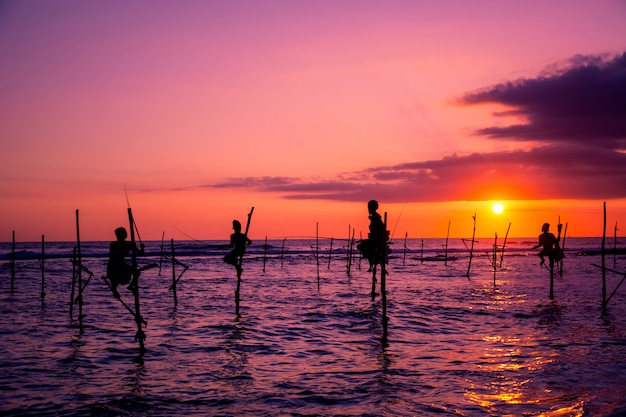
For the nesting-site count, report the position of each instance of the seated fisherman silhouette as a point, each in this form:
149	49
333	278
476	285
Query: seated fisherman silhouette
238	242
373	248
118	271
550	244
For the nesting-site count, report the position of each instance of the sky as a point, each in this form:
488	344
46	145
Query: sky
193	112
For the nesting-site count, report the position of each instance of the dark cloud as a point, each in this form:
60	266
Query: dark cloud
578	112
583	102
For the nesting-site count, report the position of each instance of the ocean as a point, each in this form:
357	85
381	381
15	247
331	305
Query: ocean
308	339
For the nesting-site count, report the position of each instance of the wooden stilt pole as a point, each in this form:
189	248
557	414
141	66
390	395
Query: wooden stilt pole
604	301
239	269
282	253
79	274
13	262
174	275
43	267
162	247
562	249
422	252
330	252
504	245
615	246
264	253
383	284
406	235
317	253
74	277
349	252
445	259
374	267
494	259
140	336
471	254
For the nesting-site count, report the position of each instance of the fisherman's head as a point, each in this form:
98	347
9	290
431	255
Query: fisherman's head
236	226
372	205
121	233
545	227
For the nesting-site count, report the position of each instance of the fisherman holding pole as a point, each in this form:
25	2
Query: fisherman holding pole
238	242
118	271
550	244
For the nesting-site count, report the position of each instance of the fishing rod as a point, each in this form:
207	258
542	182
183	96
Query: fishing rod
132	217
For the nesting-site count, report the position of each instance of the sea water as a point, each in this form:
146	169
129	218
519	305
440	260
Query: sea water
479	338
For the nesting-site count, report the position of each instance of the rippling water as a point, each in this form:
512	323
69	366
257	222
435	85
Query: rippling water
304	345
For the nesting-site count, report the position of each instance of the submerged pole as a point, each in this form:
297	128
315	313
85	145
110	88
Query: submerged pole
445	259
174	275
13	262
238	290
79	274
264	253
383	284
282	253
330	252
140	336
317	252
42	266
604	302
562	250
471	254
503	245
494	259
406	235
615	246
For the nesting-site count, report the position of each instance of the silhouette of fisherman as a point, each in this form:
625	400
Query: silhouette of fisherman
550	244
118	271
238	242
373	248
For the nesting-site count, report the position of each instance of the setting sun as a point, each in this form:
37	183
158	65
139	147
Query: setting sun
497	208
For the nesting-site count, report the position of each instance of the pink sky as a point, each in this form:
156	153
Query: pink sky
306	110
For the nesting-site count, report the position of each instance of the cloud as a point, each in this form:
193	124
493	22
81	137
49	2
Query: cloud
582	103
577	112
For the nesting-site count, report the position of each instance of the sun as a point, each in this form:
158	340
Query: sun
497	208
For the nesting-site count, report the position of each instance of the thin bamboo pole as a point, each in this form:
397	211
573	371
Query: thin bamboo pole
445	259
615	246
330	252
43	267
74	276
406	235
317	253
604	300
174	275
162	248
238	290
504	245
282	253
383	284
13	262
471	254
494	259
140	336
79	271
349	252
264	253
563	250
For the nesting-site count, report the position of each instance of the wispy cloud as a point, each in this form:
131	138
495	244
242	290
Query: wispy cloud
576	111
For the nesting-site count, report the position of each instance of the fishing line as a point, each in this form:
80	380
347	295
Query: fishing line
397	221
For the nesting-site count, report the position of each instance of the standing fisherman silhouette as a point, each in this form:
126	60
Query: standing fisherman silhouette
118	271
373	248
238	242
550	244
